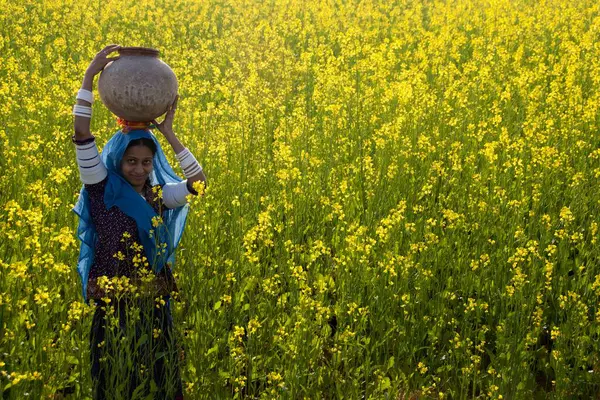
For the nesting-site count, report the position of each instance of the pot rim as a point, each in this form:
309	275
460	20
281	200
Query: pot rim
139	51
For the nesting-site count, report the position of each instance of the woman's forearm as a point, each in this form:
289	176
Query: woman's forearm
174	142
88	81
178	148
81	125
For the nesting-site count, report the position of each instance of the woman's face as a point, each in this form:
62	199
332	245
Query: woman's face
136	165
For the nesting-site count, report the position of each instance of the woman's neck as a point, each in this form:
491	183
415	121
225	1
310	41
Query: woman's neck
140	189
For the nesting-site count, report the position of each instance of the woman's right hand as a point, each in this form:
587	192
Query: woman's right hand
102	59
82	124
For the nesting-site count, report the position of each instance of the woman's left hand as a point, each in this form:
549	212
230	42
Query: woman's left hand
166	126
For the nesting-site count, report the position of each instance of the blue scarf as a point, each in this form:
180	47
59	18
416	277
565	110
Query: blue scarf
120	193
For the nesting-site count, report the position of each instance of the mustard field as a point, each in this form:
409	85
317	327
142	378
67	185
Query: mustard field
402	196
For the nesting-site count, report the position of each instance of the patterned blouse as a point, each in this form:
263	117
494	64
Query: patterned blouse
117	232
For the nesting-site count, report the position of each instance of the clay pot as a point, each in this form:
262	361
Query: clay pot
138	86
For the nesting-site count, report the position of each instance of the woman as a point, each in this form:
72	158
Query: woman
132	211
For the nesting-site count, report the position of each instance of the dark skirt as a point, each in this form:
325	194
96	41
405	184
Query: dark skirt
133	351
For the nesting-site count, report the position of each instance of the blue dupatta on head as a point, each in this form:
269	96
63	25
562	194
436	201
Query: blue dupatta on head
159	242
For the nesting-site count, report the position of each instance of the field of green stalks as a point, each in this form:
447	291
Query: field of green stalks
403	196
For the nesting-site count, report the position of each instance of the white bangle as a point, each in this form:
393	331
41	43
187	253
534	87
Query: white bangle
188	163
82	111
86	95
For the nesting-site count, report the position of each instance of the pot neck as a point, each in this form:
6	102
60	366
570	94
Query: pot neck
138	51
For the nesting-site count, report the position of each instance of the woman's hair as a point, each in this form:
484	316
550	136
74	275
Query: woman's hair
143	142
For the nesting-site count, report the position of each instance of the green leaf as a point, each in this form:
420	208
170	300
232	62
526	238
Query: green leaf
143	339
72	360
212	350
224	374
138	391
217	305
153	386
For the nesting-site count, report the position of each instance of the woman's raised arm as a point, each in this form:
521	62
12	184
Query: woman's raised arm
192	170
82	110
91	168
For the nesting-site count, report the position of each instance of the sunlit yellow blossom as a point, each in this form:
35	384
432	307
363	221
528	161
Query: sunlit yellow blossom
253	325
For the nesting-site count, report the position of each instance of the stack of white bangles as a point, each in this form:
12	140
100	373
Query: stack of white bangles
188	163
83	111
91	167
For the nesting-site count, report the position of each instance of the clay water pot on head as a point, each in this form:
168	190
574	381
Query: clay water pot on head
138	86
